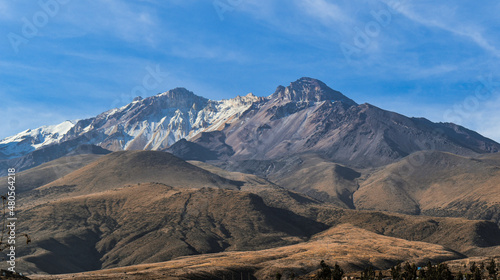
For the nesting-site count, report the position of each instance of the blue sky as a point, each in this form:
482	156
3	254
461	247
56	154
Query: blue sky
71	59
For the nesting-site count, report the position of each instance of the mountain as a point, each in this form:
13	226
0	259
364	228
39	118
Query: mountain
152	123
355	135
441	184
306	116
302	167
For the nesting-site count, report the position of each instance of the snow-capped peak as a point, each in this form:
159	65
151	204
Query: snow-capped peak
152	123
32	139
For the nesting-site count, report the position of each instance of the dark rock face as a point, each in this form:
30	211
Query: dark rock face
207	146
309	90
191	151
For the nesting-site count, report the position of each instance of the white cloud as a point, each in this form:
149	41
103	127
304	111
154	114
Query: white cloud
327	13
444	18
130	22
7	11
433	71
3	9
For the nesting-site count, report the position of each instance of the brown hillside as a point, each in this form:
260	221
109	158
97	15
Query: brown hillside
48	172
132	167
351	247
441	184
469	237
92	225
150	223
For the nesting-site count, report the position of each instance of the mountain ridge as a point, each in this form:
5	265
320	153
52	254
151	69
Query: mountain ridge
307	116
125	127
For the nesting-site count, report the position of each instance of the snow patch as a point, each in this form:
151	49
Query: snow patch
154	122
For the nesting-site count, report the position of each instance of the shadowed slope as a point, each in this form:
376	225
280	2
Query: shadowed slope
309	174
351	247
153	222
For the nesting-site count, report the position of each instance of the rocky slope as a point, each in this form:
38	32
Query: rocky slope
340	130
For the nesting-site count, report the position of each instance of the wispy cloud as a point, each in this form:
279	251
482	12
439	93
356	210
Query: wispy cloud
208	52
443	17
126	21
4	9
327	13
305	19
421	72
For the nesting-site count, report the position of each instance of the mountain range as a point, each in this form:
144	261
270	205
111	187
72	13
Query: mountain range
306	116
251	185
